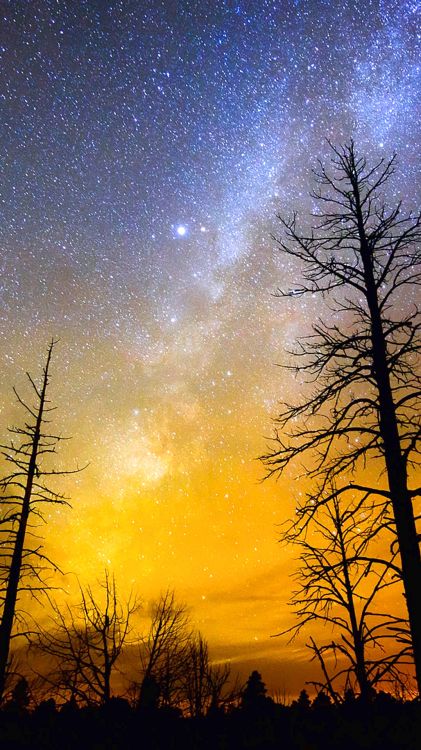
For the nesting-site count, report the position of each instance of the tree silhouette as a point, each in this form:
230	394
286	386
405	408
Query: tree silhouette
24	566
86	641
362	408
203	683
321	702
195	678
341	580
254	694
303	701
176	667
164	650
223	688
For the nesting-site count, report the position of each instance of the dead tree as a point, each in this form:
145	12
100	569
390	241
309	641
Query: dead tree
163	651
224	688
195	679
85	642
176	669
24	566
364	260
204	685
341	582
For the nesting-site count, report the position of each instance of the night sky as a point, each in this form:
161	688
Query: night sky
145	150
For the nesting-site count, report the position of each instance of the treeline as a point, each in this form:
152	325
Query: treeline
253	721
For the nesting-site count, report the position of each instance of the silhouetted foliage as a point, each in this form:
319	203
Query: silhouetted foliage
303	701
20	696
385	723
321	701
254	693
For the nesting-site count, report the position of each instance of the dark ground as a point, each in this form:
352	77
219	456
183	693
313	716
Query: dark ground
383	725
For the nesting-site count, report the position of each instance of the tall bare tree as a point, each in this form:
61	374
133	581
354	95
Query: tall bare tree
364	259
85	642
342	580
24	492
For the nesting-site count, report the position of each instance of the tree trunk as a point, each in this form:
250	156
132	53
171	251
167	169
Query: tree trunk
360	664
395	465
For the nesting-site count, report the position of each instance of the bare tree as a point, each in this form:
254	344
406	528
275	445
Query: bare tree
224	689
163	651
23	565
362	407
342	580
203	683
85	642
195	679
176	670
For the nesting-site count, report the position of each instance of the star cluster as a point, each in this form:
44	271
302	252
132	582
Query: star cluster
145	149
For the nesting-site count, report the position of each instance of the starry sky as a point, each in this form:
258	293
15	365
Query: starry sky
145	149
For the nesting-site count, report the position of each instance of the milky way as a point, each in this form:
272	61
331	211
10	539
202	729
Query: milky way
146	148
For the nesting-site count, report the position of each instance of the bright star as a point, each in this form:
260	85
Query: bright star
181	230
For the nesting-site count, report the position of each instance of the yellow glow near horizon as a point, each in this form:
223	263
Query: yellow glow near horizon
175	500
